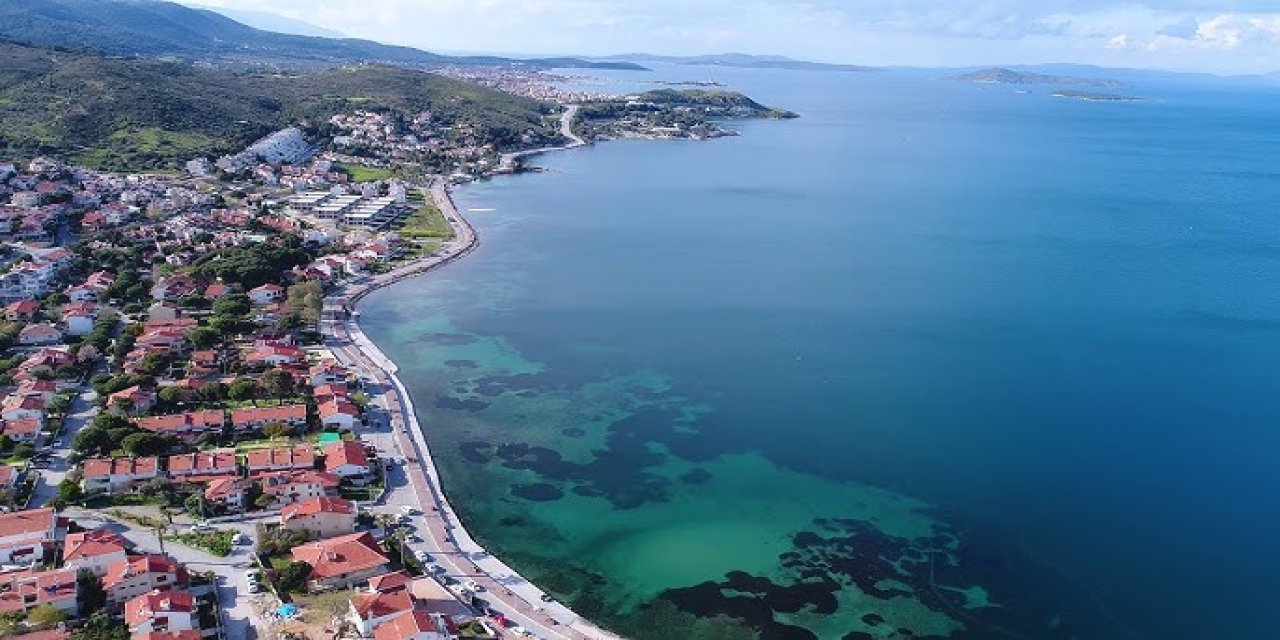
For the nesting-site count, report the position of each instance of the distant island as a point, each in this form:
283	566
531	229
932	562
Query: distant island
1088	96
741	60
998	75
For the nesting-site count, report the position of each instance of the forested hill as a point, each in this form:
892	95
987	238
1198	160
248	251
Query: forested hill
153	28
137	114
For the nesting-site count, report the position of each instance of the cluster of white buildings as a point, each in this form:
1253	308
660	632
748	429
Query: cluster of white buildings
371	212
287	146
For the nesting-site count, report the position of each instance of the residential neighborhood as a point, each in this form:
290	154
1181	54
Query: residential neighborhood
168	399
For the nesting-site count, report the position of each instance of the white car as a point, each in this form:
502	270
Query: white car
199	527
239	538
408	511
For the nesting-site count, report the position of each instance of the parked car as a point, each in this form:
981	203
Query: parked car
240	538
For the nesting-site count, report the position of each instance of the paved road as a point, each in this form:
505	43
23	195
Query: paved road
231	572
82	412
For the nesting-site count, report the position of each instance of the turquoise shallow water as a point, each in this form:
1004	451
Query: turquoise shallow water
932	361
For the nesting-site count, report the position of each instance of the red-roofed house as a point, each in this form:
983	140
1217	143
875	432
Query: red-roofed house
342	562
21	311
79	319
114	475
276	355
369	609
38	334
24	535
347	459
266	294
258	417
169	635
24	430
417	625
9	476
327	372
202	466
27	589
229	493
338	413
43	389
18	407
185	425
160	611
141	574
94	550
289	487
216	290
321	517
134	400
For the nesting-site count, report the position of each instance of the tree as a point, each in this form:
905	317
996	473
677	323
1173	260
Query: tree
144	444
60	404
213	392
108	422
275	430
45	616
278	383
24	451
294	577
204	337
232	305
171	396
242	389
194	504
101	627
69	492
92	440
92	596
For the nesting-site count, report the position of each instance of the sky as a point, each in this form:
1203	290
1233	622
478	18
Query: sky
1226	36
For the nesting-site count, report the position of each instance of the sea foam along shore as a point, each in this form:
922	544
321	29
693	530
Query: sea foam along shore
518	598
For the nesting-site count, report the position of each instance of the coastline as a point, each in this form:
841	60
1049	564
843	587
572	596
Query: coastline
516	597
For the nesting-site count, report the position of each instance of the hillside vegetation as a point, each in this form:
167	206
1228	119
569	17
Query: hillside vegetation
152	28
140	114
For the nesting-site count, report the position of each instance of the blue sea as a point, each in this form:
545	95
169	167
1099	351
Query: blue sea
935	360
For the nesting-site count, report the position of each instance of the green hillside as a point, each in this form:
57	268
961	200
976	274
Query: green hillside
129	113
152	28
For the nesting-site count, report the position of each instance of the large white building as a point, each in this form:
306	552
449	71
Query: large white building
287	146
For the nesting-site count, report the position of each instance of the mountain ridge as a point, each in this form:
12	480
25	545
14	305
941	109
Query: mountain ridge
157	28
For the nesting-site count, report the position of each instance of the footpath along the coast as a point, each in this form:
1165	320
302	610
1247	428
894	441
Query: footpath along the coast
453	547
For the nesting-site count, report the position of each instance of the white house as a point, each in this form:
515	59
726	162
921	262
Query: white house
266	294
346	459
161	611
38	334
338	412
94	550
137	575
24	535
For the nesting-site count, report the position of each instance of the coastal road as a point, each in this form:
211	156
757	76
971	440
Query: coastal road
416	483
509	161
